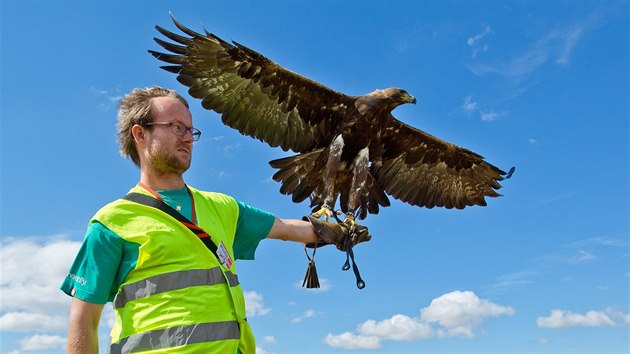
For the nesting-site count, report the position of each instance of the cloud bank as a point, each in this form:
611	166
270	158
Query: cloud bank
455	314
566	319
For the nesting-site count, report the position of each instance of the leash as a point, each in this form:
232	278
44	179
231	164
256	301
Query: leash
350	255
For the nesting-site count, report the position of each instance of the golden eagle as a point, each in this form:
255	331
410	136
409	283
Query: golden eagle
349	148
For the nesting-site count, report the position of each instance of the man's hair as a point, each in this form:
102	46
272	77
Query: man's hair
135	108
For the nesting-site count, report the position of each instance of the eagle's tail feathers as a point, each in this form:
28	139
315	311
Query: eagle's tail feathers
372	198
290	184
294	172
377	194
302	192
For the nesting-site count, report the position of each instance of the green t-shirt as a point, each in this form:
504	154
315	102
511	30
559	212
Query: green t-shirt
105	259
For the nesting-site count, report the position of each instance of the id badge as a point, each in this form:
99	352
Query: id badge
224	256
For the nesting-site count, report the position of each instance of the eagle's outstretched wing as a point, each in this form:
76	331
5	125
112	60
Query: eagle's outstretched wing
423	170
253	94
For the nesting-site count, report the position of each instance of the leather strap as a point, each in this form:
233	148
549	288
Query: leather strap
158	204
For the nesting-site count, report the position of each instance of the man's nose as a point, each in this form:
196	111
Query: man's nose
188	137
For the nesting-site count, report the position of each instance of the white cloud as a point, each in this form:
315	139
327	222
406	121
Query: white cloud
111	97
229	150
580	257
480	49
557	44
32	322
349	340
600	241
520	68
568	40
513	280
457	313
489	116
574	258
302	317
269	339
398	327
30	280
565	319
517	67
469	105
42	342
254	304
32	271
473	42
262	351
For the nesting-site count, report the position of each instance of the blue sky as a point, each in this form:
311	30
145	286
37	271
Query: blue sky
539	85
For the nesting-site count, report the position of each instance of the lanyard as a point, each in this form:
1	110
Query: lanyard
156	195
159	204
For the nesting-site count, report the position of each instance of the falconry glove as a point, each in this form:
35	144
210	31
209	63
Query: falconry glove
341	234
337	233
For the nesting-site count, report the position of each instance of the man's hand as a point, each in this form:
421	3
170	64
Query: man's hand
338	234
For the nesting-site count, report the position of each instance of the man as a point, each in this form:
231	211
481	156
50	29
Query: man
170	293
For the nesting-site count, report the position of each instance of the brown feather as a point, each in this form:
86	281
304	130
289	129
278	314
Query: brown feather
440	173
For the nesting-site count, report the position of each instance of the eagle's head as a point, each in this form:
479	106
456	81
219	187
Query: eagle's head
394	96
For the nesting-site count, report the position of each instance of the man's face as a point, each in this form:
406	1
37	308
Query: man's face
168	152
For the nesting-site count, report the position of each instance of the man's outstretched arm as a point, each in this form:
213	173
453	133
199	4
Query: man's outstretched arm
292	230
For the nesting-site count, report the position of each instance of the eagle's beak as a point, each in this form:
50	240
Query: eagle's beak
411	99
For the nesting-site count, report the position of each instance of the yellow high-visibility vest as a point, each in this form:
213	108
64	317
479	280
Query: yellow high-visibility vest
179	298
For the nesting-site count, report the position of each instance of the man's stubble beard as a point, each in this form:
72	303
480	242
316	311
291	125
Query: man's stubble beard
165	162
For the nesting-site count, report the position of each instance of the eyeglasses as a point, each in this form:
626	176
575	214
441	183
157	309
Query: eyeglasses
179	129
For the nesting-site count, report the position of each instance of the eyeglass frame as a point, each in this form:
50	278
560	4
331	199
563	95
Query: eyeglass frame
196	133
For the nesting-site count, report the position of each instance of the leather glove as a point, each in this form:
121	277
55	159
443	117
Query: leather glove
339	234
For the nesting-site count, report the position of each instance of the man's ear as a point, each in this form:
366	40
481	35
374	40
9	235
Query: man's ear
138	133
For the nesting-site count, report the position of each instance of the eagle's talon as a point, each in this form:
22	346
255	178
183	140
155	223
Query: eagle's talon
350	222
323	211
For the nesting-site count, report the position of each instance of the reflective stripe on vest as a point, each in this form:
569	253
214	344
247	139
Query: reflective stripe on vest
177	336
172	281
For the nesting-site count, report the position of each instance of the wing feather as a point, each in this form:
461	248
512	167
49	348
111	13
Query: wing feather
172	36
254	95
423	170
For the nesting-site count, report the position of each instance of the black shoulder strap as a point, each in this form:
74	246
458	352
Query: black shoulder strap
158	204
